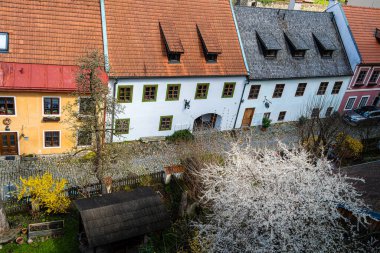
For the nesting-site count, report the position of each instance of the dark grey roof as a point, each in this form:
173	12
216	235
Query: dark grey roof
324	40
122	215
296	40
300	26
268	40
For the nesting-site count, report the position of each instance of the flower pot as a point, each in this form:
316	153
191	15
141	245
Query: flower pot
264	129
19	240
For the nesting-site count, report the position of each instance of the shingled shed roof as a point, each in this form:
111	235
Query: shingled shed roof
50	32
363	23
122	215
299	27
136	47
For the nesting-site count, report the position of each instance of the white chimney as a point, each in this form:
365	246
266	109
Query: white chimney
295	5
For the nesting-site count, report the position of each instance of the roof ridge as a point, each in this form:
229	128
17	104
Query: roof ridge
269	8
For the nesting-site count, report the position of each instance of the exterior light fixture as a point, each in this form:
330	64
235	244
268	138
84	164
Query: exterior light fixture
187	104
267	102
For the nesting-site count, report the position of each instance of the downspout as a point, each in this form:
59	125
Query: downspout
113	109
104	33
245	62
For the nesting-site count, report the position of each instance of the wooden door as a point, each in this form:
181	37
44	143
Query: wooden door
9	143
247	118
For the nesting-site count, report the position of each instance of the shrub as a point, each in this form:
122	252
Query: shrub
45	192
181	135
88	157
348	147
266	122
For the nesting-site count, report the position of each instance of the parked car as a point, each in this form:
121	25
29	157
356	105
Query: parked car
368	115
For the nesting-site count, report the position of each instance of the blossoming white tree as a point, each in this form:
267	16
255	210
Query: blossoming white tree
275	201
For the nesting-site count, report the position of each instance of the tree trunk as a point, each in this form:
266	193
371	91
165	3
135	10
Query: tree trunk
4	226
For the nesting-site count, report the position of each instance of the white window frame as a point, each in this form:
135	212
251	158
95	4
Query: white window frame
60	138
14	99
371	73
365	80
82	146
353	104
6	50
79	98
361	99
43	106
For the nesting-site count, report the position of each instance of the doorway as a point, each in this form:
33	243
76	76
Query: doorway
248	116
9	143
207	121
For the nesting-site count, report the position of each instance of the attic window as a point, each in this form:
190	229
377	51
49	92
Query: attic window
173	43
268	44
325	45
297	45
377	34
210	43
4	42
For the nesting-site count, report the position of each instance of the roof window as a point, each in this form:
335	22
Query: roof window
377	34
210	42
173	43
297	44
4	42
325	45
268	43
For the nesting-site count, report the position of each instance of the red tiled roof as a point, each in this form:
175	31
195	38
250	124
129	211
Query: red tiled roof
137	49
363	22
172	39
50	31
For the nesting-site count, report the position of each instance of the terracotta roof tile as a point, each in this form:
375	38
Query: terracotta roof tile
136	47
173	41
50	32
363	23
209	38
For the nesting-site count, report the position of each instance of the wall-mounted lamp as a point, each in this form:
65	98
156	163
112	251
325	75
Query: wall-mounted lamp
187	104
267	102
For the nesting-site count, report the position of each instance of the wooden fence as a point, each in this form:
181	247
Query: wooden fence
13	205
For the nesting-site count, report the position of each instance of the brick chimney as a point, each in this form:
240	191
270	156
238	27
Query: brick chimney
295	5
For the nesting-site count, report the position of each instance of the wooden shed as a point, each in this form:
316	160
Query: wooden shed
112	222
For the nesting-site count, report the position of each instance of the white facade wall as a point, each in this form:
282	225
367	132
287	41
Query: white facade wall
294	106
145	116
346	35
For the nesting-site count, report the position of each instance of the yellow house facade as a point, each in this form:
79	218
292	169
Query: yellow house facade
35	123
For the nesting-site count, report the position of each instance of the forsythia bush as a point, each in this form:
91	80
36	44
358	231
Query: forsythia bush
45	192
348	146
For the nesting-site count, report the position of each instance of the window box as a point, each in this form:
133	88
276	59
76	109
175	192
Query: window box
51	119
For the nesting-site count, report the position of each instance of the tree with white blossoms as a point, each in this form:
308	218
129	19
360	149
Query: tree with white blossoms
271	200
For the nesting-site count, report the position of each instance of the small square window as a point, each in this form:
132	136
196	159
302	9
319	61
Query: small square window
270	53
361	77
52	139
4	42
350	103
172	92
51	106
278	90
211	58
174	57
267	115
85	106
7	106
254	92
299	53
228	90
124	94
202	90
374	77
150	93
84	138
281	116
336	87
300	89
122	126
166	123
329	111
315	112
363	101
322	88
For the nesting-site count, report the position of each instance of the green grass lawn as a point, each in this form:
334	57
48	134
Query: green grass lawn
65	244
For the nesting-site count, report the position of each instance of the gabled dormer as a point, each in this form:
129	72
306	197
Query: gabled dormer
268	44
4	42
296	43
210	43
172	41
325	45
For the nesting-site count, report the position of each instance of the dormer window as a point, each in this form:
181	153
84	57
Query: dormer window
210	43
297	44
377	34
4	42
325	45
268	43
172	41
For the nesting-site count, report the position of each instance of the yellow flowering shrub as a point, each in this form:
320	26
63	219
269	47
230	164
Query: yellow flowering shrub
45	192
348	146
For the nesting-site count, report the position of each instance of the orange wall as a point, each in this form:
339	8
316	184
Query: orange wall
28	121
